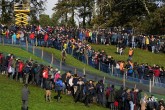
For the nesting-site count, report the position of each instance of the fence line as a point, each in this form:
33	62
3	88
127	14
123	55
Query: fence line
100	66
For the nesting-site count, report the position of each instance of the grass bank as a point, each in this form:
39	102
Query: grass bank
18	52
11	98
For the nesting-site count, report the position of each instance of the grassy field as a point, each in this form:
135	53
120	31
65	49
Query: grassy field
140	56
18	52
10	98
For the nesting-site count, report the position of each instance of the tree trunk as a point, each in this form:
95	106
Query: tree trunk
145	6
84	16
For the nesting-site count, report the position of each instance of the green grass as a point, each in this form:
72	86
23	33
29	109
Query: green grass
140	56
11	98
18	52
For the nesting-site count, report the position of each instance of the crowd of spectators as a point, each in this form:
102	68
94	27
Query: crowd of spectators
76	42
81	89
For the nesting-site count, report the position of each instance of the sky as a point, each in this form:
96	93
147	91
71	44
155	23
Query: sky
49	5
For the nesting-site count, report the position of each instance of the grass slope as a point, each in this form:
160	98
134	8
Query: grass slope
140	56
11	98
18	52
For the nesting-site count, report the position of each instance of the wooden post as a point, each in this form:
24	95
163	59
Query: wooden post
153	82
99	65
112	70
33	49
52	59
150	84
75	71
27	45
42	54
104	80
36	42
84	71
87	59
135	86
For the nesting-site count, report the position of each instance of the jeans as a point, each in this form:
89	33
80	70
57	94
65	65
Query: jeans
32	41
133	44
153	49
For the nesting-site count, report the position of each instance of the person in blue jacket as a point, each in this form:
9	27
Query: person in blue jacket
58	88
14	38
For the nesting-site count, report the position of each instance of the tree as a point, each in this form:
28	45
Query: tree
63	9
44	20
85	8
6	11
7	6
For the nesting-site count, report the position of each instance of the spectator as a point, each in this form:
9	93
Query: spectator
25	94
48	88
100	92
58	87
143	102
130	54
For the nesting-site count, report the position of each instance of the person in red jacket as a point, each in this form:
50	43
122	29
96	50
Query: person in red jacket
46	37
45	75
156	71
20	70
32	38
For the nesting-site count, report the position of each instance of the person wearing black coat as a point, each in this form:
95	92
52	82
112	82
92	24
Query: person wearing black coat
25	94
79	92
100	92
89	92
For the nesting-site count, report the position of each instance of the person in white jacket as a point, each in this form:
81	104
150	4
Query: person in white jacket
70	86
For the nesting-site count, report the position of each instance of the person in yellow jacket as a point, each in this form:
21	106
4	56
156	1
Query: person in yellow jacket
147	43
18	37
65	46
